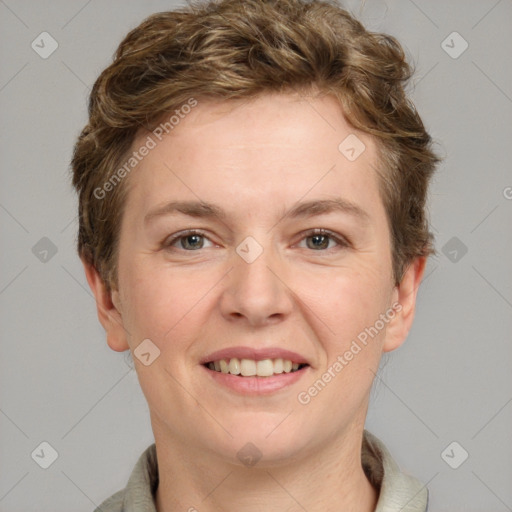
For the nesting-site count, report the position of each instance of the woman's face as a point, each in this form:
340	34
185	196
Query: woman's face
255	280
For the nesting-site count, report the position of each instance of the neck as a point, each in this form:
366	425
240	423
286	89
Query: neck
329	479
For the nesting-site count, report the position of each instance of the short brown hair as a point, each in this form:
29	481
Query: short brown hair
234	49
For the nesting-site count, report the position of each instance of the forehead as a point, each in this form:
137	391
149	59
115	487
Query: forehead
277	144
268	120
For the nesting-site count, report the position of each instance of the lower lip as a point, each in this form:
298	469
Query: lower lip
256	385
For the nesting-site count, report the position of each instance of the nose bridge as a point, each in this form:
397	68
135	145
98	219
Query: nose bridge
256	290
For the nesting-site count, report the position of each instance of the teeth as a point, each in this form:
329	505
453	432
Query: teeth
224	366
265	368
247	367
234	367
251	368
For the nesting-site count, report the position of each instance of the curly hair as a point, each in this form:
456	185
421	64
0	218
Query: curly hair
231	49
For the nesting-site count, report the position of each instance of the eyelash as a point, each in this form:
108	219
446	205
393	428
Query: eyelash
341	241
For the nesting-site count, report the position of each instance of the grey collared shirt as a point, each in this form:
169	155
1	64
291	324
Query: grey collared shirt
398	492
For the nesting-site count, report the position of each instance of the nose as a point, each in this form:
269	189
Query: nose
257	292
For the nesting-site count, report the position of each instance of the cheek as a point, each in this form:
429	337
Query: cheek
155	303
348	305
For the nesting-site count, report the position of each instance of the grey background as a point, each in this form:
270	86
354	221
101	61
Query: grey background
59	381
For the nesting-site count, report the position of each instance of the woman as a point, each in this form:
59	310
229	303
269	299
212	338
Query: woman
252	184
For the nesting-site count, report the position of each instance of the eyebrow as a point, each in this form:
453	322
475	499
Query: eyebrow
201	209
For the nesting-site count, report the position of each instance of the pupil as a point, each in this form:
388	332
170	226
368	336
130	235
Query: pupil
187	239
317	237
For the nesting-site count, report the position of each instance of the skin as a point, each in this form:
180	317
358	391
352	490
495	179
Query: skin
256	159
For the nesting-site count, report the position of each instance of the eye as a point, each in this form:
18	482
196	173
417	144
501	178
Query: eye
189	240
320	239
193	240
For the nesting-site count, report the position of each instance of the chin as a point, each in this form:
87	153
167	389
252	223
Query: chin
265	437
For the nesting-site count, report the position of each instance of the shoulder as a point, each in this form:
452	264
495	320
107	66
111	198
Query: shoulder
138	495
112	504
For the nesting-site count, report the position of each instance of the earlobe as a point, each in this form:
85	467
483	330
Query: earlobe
405	294
108	308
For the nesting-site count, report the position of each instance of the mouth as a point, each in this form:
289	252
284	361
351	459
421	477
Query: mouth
252	371
254	368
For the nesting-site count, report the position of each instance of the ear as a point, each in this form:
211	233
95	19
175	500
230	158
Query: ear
109	310
405	295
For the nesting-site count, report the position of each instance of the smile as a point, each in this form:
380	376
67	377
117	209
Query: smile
251	371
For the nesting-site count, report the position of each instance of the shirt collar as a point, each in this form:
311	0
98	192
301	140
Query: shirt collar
398	491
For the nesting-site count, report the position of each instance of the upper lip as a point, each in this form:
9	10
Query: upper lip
258	354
